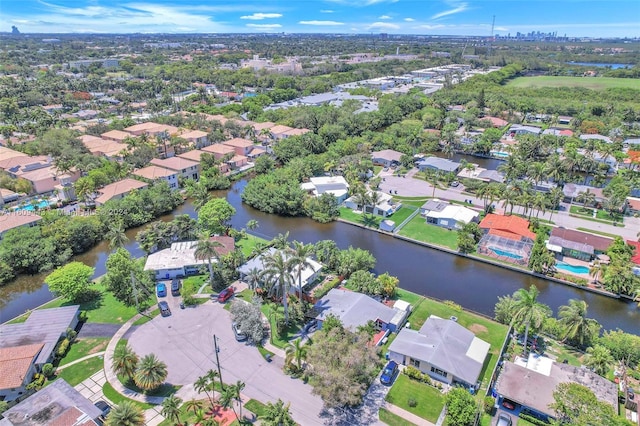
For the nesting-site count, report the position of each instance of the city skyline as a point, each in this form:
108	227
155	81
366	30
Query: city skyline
591	18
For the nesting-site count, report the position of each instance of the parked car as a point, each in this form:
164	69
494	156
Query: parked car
455	183
389	373
311	326
240	336
161	289
225	294
175	287
504	420
164	309
630	394
508	405
104	407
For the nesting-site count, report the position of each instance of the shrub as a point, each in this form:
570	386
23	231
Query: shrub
412	402
37	382
71	335
47	369
63	347
413	373
489	402
453	305
533	420
83	316
281	327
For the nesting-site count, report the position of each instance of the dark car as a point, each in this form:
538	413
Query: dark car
104	407
504	420
225	294
630	394
161	289
175	287
389	373
240	336
311	326
164	309
508	405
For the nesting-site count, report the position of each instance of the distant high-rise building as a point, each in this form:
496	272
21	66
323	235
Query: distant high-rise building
14	30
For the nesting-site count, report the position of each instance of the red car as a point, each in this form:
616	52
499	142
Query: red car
225	294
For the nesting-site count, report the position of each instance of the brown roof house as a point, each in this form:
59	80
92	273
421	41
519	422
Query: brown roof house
17	367
155	173
577	244
118	190
186	169
17	219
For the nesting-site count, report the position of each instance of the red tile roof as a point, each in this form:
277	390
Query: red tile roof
636	255
15	363
509	224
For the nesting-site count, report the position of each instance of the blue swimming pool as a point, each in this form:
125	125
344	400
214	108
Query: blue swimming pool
501	154
572	268
505	253
41	205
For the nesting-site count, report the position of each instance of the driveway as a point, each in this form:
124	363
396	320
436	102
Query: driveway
184	341
364	415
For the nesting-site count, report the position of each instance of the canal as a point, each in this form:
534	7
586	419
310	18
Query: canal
474	285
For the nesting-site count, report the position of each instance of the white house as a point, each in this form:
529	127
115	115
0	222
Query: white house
384	206
450	216
443	349
335	185
179	260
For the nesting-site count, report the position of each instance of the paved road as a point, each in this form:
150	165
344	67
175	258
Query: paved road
410	187
184	341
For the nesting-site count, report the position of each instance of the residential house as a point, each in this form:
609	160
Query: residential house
196	155
262	130
437	164
158	134
118	190
479	173
519	129
449	216
587	137
564	120
577	244
495	121
558	132
355	309
386	157
240	146
7	196
196	138
529	384
632	206
17	367
186	169
155	173
116	135
334	185
57	404
507	238
7	153
572	191
177	261
237	162
443	349
280	132
17	219
308	274
635	258
114	151
219	150
383	206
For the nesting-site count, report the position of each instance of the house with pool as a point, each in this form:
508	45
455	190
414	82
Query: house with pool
577	245
506	238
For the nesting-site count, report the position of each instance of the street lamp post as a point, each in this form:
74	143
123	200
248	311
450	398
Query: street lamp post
217	349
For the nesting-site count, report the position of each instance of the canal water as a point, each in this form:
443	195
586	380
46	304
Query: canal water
430	272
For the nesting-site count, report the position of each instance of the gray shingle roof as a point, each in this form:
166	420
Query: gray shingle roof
352	308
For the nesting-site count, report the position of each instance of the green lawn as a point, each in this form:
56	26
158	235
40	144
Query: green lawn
84	347
400	216
600	214
279	341
593	231
194	282
391	419
360	218
146	318
76	373
256	407
248	244
377	169
596	83
429	399
117	398
419	230
103	309
165	389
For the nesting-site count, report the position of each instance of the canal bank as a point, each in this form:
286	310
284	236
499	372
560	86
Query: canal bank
423	270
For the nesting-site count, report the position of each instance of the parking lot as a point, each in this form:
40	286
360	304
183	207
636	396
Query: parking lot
184	341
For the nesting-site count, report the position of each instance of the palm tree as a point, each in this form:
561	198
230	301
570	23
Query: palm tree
151	373
237	391
206	249
599	358
281	241
125	361
277	415
171	408
227	397
299	260
200	195
203	384
252	224
193	405
586	197
278	271
253	278
528	311
595	271
116	236
125	414
295	352
573	318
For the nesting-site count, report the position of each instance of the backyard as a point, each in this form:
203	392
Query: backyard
419	230
360	218
418	398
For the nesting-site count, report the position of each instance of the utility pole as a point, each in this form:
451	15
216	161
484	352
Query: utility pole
215	347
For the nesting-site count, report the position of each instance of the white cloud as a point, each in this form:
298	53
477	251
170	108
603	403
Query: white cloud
261	16
383	25
361	2
457	7
409	19
321	23
326	11
385	17
264	26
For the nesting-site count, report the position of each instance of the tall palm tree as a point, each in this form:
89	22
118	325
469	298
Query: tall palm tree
277	415
171	408
203	384
116	236
125	361
528	311
595	271
278	271
237	392
299	260
253	278
151	373
573	318
252	224
586	197
206	250
296	352
599	358
125	414
193	405
281	241
227	398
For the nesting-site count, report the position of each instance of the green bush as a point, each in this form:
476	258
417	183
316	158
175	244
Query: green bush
532	420
83	316
47	369
281	327
322	291
489	402
414	374
453	305
37	382
63	347
71	335
411	402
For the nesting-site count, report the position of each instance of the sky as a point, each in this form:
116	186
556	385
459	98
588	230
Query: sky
575	18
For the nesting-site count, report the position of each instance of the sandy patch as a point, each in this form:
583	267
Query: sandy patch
478	328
